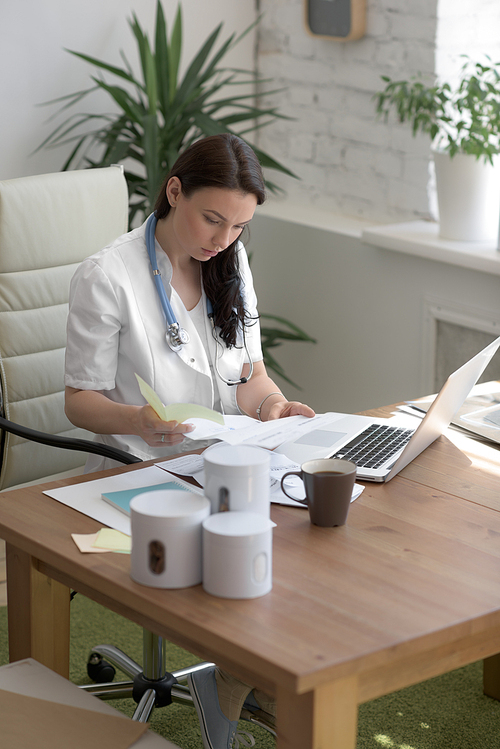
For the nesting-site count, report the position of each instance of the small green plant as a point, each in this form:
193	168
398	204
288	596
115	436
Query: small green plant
275	336
159	114
463	119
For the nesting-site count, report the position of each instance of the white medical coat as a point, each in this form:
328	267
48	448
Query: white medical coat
116	327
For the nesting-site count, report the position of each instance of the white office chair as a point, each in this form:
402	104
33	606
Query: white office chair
48	225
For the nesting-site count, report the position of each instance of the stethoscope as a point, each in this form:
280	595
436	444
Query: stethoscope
176	336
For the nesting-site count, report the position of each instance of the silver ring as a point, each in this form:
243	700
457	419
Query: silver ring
163	437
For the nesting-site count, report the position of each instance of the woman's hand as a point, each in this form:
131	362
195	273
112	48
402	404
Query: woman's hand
92	410
261	397
156	432
284	408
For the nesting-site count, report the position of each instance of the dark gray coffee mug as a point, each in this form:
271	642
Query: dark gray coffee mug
328	483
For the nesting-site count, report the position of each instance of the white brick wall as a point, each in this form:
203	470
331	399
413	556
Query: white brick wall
348	160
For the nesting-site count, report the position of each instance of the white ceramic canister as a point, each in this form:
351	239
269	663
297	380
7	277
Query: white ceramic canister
237	554
167	538
239	476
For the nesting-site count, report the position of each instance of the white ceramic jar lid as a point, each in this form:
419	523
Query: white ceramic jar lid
175	507
237	524
238	459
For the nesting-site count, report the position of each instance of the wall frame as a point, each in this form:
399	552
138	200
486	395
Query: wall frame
339	20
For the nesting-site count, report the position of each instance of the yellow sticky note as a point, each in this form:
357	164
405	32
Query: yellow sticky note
108	538
177	411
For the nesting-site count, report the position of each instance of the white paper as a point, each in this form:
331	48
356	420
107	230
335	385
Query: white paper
271	434
205	429
185	465
243	430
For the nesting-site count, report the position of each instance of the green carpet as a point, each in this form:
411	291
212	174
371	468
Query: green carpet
448	712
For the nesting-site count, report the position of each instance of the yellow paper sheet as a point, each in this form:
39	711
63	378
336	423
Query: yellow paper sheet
95	543
177	411
108	538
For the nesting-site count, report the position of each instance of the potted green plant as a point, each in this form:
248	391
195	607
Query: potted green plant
463	122
159	114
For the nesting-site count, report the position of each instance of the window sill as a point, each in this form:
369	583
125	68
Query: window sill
314	218
421	239
417	238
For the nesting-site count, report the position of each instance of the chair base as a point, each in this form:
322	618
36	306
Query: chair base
152	685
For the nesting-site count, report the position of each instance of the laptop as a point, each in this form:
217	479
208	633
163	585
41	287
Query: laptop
381	450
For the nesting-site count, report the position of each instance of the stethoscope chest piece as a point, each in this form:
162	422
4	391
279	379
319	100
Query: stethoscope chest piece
176	337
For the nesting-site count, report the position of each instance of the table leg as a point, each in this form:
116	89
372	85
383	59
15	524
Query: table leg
491	676
325	717
38	614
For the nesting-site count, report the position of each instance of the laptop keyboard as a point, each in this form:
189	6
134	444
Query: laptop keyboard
374	445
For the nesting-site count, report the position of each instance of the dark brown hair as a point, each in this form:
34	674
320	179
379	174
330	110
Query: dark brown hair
224	161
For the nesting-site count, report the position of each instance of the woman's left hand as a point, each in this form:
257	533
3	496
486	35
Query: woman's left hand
282	409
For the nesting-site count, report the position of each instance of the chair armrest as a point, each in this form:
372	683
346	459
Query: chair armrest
69	443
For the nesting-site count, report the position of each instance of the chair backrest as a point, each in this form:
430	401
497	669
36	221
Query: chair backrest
48	224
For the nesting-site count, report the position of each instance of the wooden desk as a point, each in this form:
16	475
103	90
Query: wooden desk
408	589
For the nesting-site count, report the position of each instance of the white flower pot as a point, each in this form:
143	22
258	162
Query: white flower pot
468	195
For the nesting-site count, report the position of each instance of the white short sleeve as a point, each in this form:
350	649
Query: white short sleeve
93	330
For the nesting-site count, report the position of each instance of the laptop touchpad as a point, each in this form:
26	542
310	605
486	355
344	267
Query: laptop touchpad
320	438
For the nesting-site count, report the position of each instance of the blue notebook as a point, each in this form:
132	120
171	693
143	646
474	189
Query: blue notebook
121	499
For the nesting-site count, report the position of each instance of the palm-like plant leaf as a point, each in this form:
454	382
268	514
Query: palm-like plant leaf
159	115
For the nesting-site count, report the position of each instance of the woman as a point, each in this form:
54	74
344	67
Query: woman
116	324
116	328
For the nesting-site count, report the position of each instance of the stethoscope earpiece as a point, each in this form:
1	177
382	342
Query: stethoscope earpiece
176	336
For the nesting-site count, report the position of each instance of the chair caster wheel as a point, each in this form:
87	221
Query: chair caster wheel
99	670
